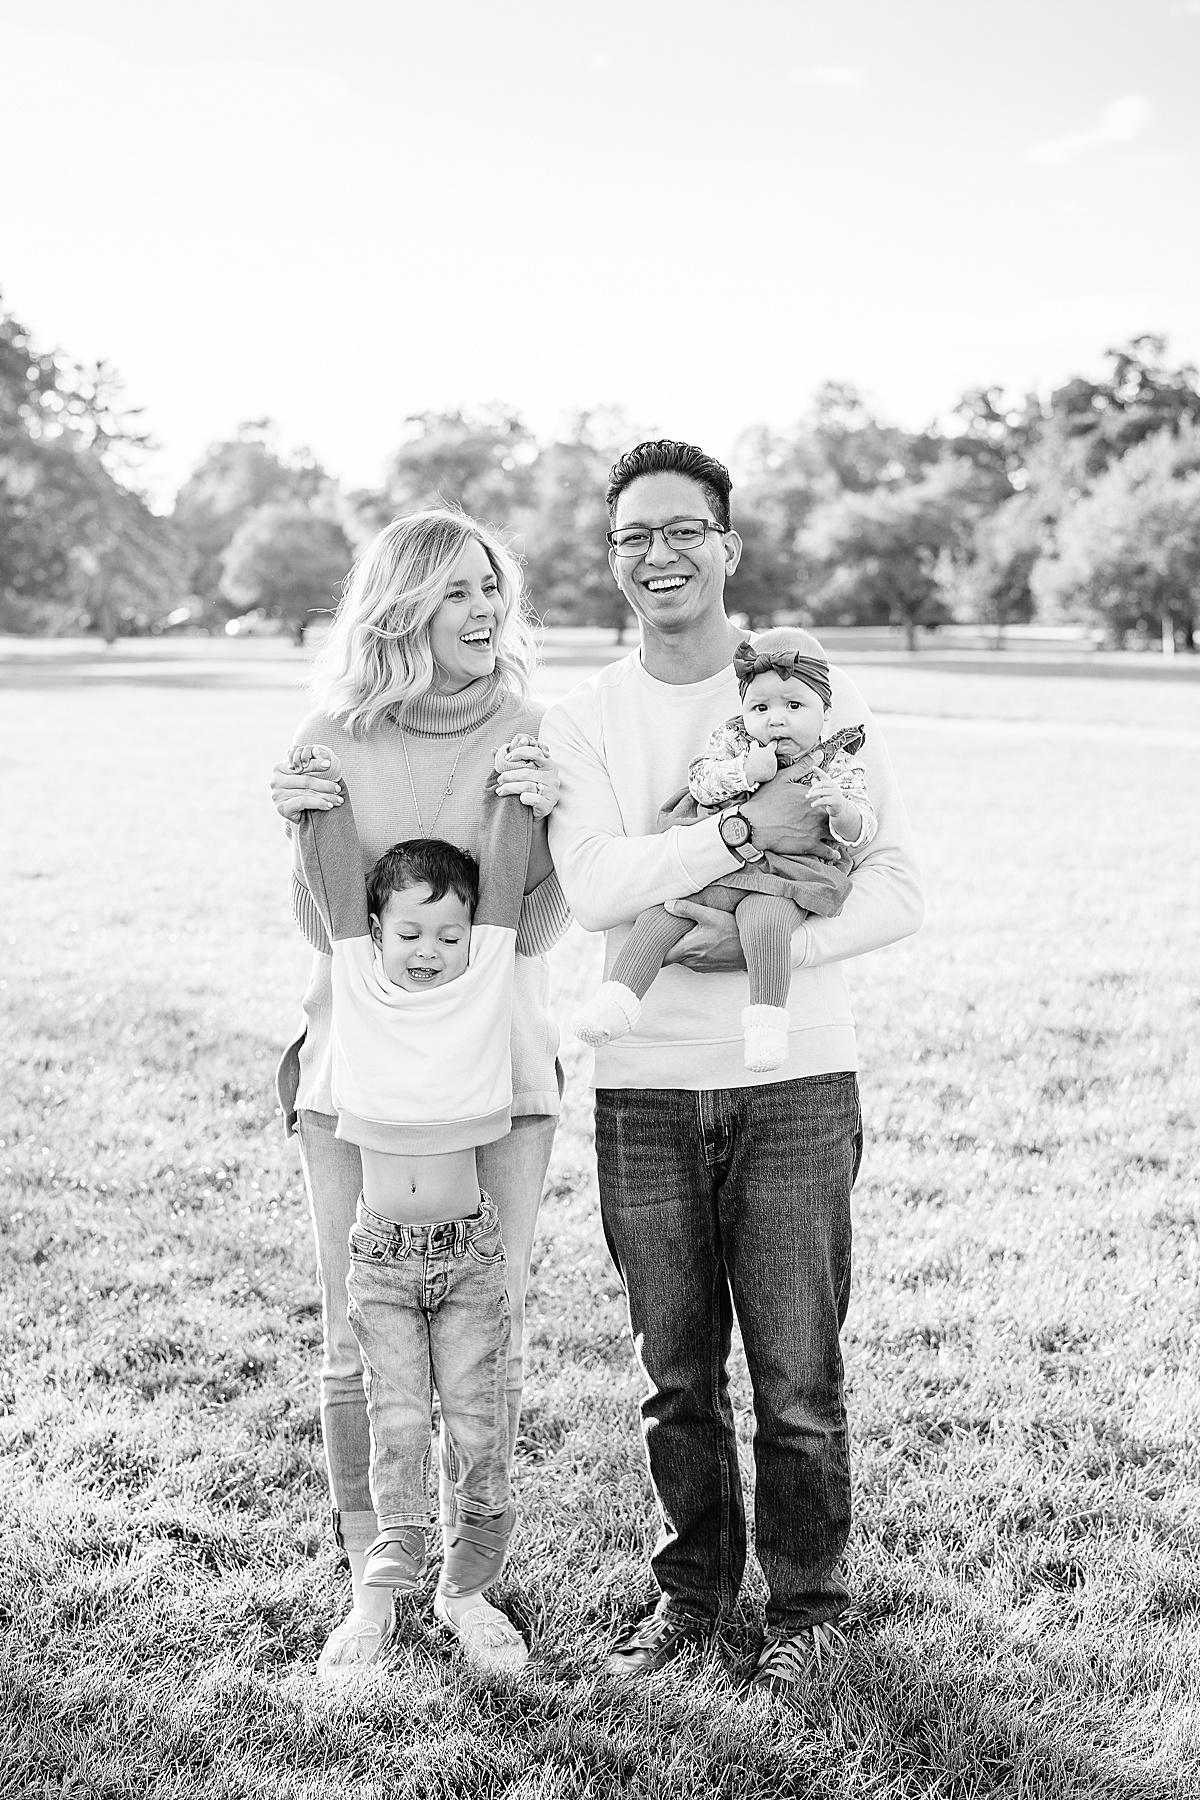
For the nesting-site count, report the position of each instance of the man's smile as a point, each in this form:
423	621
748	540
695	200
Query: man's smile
664	584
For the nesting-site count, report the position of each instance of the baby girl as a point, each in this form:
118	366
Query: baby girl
783	680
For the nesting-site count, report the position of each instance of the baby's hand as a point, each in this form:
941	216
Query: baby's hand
312	759
761	762
825	796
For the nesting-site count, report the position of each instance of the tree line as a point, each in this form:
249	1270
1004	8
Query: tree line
1083	506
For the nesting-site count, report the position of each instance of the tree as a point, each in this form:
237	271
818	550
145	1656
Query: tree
857	450
1128	553
286	559
79	548
1141	397
999	436
777	482
564	529
481	461
885	555
995	585
234	479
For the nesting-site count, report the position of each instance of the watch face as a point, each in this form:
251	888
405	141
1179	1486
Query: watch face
734	830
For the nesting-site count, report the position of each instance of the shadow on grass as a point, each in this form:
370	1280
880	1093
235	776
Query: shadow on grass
883	1725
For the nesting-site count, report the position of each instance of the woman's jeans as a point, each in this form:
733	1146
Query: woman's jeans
739	1198
513	1170
428	1307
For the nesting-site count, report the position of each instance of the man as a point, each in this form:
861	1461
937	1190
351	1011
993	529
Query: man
721	1188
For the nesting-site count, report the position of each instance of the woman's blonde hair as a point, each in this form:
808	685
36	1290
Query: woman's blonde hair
376	656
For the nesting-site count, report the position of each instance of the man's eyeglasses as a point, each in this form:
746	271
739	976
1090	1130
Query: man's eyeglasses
681	534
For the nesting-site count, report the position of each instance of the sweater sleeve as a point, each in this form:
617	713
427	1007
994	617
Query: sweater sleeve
545	916
307	916
886	901
609	878
330	866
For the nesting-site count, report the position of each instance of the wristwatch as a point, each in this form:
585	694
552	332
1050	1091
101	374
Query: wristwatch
735	835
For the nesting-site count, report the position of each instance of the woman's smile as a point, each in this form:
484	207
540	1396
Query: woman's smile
465	627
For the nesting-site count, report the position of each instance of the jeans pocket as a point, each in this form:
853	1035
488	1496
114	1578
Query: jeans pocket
487	1249
365	1246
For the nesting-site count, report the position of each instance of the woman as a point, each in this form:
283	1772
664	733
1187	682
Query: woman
423	677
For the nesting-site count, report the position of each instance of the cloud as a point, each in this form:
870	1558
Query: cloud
834	75
1119	122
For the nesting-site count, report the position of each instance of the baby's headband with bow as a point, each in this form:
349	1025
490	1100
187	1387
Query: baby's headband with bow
789	665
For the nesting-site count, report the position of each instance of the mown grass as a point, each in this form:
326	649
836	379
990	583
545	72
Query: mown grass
1021	1350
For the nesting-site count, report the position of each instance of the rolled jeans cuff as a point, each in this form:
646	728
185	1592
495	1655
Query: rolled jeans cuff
354	1530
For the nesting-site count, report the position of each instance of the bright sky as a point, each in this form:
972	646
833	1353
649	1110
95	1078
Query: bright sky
338	215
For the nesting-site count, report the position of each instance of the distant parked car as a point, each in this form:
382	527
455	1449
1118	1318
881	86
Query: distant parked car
185	620
258	623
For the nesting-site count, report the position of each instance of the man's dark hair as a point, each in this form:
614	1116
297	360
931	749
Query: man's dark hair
446	868
666	456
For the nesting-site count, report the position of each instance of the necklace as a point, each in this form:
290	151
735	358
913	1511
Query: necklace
446	792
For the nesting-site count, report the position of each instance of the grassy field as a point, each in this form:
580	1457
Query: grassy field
1022	1349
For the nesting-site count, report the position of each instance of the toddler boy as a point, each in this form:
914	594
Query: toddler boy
422	976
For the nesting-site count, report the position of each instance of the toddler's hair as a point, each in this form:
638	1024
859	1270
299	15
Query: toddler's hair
445	867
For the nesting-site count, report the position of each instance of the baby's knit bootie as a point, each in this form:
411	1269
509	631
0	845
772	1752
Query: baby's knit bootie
613	1011
766	1029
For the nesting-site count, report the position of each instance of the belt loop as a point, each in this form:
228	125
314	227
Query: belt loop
460	1237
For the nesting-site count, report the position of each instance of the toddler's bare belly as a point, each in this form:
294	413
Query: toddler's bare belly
420	1190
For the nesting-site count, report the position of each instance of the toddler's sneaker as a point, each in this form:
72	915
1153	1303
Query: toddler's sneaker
766	1037
611	1013
473	1552
396	1559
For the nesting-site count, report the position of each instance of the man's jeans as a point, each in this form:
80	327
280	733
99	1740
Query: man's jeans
743	1189
428	1307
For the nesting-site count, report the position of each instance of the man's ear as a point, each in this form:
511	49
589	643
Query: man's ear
733	551
376	930
612	564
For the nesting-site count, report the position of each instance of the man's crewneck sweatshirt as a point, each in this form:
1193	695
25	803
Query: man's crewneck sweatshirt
623	742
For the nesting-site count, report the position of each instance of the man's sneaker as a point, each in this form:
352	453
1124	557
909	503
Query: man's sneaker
654	1642
788	1660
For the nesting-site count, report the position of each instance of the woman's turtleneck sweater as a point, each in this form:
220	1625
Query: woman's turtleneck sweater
436	728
